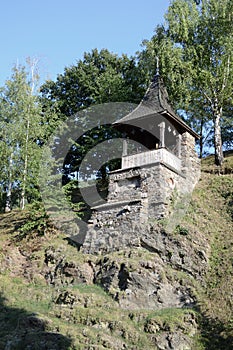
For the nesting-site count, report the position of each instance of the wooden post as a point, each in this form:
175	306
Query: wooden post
125	148
178	140
162	134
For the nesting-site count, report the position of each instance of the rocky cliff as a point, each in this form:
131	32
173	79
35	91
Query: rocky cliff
173	291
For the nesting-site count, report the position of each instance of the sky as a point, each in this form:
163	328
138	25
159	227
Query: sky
59	32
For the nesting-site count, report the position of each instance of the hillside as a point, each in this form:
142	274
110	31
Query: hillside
175	293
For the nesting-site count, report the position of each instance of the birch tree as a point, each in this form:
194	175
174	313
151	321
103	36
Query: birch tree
10	155
21	128
30	127
195	47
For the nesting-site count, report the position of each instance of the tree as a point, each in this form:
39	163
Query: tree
20	119
31	129
99	78
227	127
195	49
8	156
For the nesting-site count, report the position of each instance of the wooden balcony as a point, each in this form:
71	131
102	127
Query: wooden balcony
150	157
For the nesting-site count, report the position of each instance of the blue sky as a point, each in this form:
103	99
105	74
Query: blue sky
59	32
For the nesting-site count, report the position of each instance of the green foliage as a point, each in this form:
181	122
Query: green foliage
196	43
225	186
181	230
37	221
70	190
100	77
20	135
170	318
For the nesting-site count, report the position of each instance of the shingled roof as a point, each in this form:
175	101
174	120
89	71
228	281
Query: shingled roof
156	101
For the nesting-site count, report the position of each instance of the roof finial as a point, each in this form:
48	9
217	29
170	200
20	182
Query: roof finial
157	65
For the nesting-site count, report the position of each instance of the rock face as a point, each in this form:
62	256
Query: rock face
160	273
152	286
164	277
148	287
158	277
177	337
59	270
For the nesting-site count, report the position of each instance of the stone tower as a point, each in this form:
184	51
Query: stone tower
161	171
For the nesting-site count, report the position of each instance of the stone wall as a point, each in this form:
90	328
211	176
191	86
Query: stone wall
125	185
191	167
120	222
138	197
113	228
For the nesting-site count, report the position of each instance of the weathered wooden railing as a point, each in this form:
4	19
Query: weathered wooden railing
150	157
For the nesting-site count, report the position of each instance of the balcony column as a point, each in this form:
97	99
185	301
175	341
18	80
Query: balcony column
162	134
125	148
178	145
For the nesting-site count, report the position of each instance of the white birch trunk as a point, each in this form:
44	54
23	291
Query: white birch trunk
9	188
217	112
33	65
25	170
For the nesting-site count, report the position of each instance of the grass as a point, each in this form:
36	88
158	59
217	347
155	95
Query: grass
93	320
211	213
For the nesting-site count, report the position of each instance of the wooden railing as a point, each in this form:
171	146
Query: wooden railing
150	157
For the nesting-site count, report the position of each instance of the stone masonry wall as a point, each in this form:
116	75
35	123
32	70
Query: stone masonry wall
113	228
138	197
119	223
191	168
